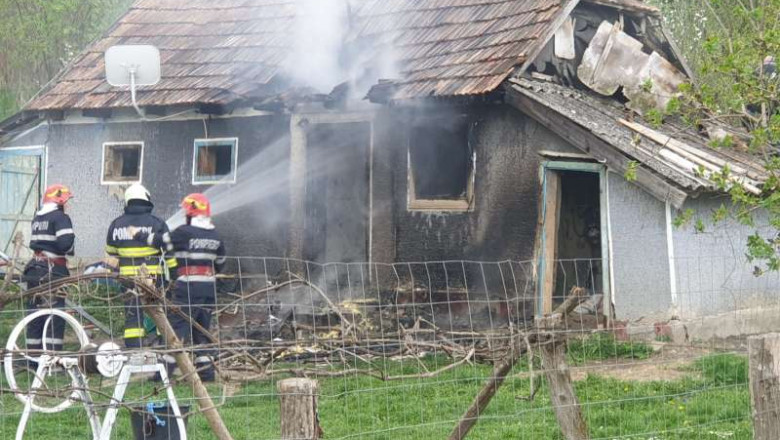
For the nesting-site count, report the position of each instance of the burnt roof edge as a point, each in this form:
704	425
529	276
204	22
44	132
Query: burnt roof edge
565	13
585	140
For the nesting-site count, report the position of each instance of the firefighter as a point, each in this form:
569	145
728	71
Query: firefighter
200	255
133	254
51	240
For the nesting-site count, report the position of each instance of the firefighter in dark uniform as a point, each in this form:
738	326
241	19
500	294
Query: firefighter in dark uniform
51	240
200	255
134	254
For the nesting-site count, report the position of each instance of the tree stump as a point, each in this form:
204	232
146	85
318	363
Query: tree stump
764	352
298	399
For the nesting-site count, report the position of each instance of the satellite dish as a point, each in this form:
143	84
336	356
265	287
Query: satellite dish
132	65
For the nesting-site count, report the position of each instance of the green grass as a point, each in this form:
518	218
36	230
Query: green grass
601	346
712	402
722	369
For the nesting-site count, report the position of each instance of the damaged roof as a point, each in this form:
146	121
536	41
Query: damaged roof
674	161
227	51
631	6
458	47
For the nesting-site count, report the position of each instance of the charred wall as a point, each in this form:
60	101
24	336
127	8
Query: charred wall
75	158
502	222
501	225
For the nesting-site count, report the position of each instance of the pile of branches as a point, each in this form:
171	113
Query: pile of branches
348	342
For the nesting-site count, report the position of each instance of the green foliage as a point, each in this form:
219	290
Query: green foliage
39	37
723	369
727	44
630	173
601	346
720	214
655	117
699	226
7	103
647	86
683	219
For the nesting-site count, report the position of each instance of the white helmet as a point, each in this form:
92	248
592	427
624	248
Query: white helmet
137	191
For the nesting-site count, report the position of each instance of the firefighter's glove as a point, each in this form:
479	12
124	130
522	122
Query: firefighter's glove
141	236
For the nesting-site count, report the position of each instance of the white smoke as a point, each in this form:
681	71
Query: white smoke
321	28
326	52
264	179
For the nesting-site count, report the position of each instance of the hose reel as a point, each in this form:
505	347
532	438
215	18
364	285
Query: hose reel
106	359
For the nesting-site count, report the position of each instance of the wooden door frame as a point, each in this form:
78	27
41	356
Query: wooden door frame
544	296
29	150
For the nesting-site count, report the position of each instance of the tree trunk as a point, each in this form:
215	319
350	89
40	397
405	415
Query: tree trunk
298	399
764	352
562	396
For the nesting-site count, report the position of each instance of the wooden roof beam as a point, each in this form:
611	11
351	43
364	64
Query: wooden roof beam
591	144
629	6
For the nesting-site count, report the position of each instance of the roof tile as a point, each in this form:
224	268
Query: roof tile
221	51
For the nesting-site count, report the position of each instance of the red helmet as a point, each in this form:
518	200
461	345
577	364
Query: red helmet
59	194
196	205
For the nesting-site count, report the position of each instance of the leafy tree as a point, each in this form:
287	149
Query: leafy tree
39	37
730	44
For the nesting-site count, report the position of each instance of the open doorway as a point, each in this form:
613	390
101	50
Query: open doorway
573	243
579	234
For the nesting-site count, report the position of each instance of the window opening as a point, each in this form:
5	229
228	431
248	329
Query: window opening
441	167
215	161
122	162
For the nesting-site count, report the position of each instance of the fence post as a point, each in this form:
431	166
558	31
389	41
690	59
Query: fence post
562	396
764	358
298	399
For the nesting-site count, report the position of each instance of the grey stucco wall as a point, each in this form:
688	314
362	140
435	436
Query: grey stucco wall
75	155
640	257
713	274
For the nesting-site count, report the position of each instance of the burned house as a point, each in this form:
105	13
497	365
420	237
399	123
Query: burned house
461	130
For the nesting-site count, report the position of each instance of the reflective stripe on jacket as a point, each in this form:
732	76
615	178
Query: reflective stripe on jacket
134	254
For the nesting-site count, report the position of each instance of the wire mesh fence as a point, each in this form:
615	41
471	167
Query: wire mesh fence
398	349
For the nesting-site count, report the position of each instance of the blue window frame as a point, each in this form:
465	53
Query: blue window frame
214	161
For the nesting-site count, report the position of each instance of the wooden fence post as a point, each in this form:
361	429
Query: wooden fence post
564	400
500	371
764	358
298	399
187	368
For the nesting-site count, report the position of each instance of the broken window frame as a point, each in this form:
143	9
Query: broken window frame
463	204
111	180
215	180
